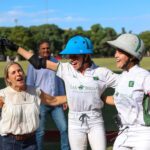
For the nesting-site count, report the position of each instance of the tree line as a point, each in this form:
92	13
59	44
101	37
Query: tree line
28	37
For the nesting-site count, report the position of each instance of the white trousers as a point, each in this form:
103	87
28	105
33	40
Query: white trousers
86	127
133	138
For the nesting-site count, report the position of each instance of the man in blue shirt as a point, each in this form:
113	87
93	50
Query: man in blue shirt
50	84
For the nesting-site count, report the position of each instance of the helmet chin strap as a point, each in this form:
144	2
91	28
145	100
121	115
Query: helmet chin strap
85	61
126	66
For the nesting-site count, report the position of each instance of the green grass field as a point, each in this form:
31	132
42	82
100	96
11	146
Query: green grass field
110	63
104	62
108	111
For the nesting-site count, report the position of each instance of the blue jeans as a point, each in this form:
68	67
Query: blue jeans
10	143
58	116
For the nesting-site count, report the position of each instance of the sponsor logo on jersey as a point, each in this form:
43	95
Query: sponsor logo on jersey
131	83
81	87
96	78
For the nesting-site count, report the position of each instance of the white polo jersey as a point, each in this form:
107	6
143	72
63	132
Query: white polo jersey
84	90
20	112
132	87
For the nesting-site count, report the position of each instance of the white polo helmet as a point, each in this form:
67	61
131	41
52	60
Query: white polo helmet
129	43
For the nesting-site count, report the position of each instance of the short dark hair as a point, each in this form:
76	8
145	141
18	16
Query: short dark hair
43	41
135	61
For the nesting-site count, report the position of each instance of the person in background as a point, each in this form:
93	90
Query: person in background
132	94
85	82
51	84
20	110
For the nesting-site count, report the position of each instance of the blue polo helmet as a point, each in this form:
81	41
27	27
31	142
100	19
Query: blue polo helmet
78	45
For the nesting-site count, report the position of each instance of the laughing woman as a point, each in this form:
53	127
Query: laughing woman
132	94
20	110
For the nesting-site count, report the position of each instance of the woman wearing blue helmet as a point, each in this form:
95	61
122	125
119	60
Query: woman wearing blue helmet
85	82
78	48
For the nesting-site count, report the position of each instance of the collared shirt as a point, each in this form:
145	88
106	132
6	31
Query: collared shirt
129	95
84	90
46	80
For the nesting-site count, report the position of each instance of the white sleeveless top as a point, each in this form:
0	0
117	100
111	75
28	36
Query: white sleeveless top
20	112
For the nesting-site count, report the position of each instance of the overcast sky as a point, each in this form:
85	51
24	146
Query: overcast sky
132	14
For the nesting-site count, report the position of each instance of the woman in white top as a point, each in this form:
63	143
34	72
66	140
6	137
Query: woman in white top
132	94
20	110
85	82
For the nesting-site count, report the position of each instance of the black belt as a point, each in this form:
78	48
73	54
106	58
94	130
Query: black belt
22	137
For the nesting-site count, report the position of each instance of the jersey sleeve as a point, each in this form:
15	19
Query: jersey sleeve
111	78
61	70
